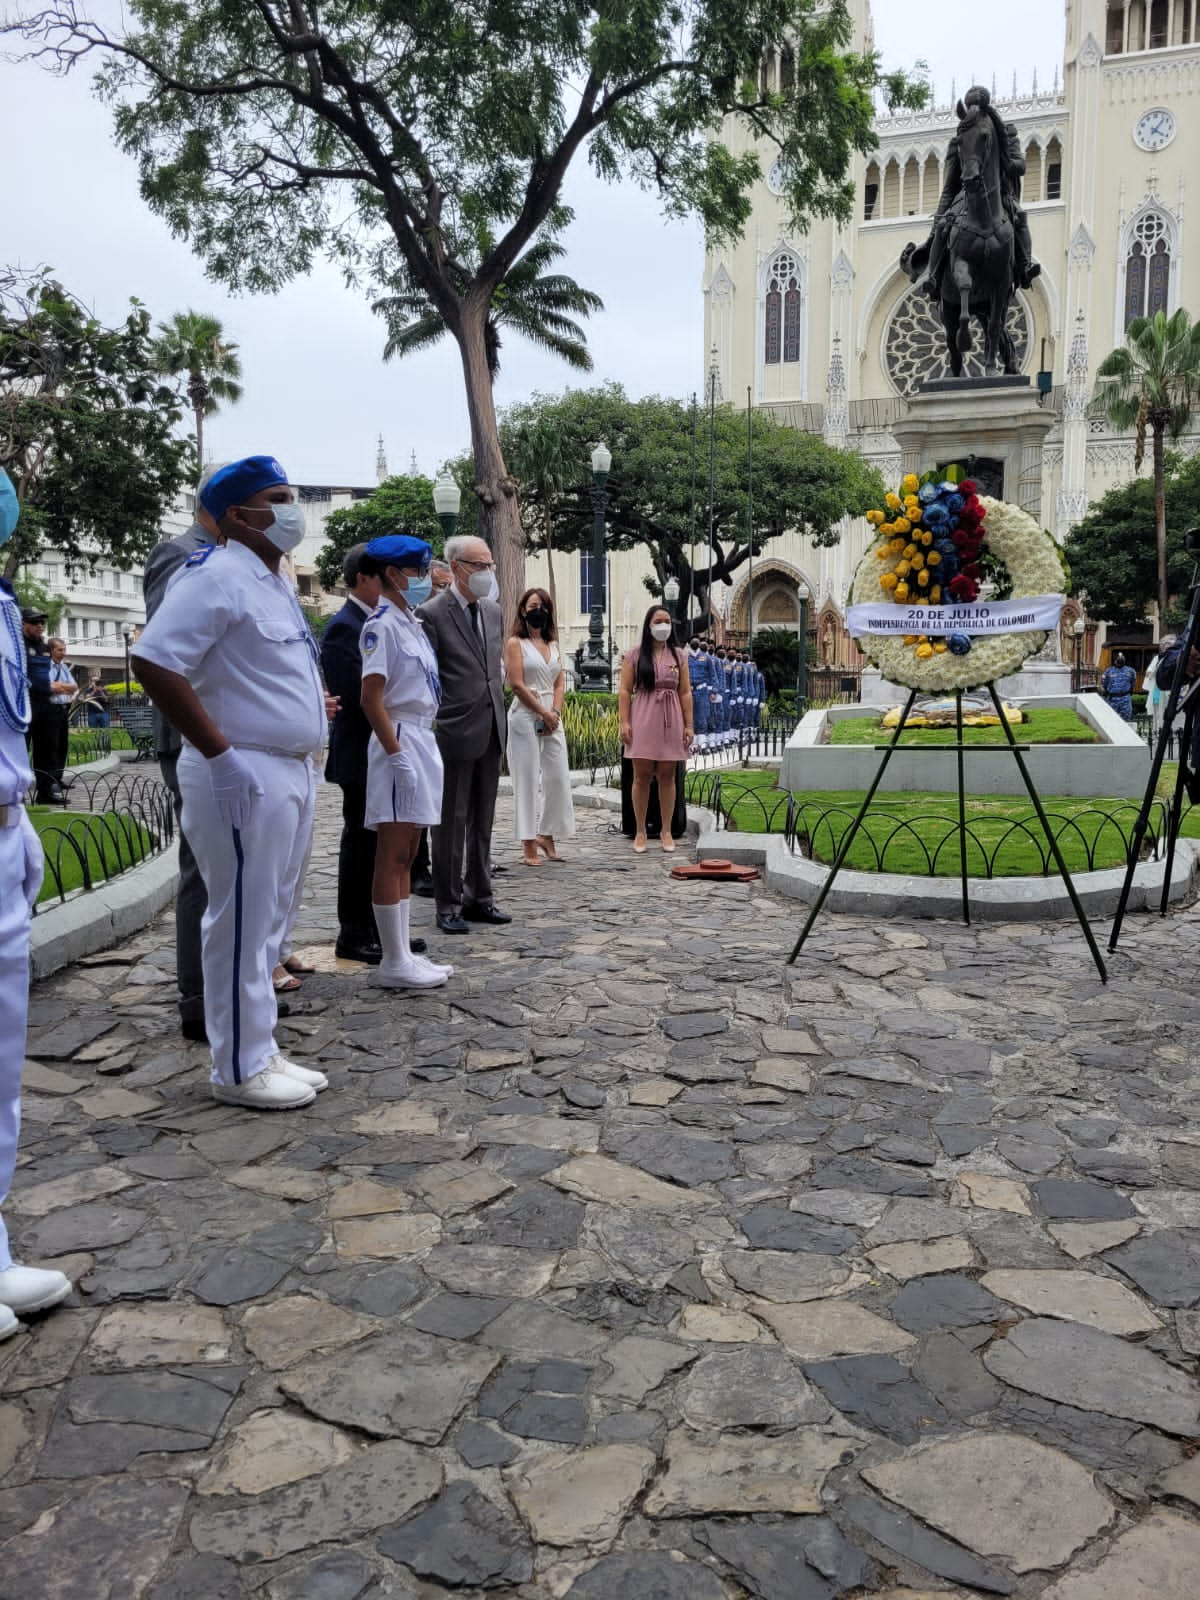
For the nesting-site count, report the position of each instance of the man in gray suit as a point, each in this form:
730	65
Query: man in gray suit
466	631
165	559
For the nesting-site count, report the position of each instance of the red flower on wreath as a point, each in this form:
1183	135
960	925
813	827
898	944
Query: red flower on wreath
964	589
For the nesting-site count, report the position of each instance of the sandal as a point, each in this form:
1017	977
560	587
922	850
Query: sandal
283	982
531	861
639	845
294	964
551	854
667	843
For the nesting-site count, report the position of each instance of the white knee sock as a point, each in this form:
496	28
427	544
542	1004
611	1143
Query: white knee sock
392	922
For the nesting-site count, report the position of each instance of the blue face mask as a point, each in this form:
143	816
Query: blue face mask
419	589
10	510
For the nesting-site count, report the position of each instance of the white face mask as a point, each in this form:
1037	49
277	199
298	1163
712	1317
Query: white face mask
481	584
287	530
661	630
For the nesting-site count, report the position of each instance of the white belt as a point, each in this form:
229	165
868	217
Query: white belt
414	722
10	816
270	750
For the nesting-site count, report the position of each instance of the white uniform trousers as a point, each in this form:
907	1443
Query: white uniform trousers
14	1006
251	877
287	943
541	778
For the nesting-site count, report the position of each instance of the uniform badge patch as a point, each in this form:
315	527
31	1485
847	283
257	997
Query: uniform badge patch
369	640
199	557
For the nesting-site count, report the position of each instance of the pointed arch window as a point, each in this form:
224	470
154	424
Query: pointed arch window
781	330
1148	267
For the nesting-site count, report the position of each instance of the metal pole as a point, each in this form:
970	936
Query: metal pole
712	474
962	808
802	664
750	510
692	533
599	674
1078	686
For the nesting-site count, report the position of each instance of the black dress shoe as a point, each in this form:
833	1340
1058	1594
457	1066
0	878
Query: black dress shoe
452	924
417	946
485	914
422	885
367	950
193	1028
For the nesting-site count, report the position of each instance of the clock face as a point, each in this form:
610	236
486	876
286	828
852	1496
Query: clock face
777	177
1154	130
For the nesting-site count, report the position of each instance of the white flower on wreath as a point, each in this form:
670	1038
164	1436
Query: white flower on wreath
1035	567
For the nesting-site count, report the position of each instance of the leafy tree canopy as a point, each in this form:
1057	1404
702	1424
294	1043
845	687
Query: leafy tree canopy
658	488
86	426
31	591
269	132
399	505
1112	551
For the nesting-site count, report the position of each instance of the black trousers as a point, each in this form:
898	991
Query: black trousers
48	748
462	843
356	866
191	902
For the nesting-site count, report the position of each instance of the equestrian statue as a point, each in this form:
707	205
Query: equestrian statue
979	251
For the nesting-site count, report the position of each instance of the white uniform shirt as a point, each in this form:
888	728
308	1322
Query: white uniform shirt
15	776
396	648
234	629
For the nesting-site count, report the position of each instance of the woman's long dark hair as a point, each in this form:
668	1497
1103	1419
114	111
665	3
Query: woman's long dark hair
645	675
520	628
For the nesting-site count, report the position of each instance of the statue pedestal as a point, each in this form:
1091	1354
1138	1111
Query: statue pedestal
997	419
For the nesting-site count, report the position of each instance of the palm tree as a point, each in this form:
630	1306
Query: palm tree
195	343
541	306
1152	383
537	457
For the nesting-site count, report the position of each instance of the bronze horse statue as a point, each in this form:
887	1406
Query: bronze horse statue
971	256
978	279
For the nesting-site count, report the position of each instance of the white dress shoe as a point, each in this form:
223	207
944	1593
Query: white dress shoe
268	1090
314	1080
410	974
441	968
25	1289
8	1323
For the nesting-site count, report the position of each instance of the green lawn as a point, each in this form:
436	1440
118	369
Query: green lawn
109	841
912	830
1039	727
85	744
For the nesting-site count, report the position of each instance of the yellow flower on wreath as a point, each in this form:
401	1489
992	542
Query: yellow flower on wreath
910	483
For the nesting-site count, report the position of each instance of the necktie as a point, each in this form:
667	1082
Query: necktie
476	620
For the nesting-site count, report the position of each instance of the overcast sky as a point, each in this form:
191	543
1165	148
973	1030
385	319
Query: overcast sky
317	391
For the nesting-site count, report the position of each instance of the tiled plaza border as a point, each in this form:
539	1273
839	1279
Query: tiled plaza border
885	894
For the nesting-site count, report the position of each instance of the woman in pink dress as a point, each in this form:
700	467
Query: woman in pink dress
655	708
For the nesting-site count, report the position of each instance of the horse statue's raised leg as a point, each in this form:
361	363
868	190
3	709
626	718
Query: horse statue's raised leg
962	282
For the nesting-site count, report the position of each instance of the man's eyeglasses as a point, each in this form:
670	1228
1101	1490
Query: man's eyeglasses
477	566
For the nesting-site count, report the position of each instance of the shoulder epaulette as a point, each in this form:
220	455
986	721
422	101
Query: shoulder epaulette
199	557
378	611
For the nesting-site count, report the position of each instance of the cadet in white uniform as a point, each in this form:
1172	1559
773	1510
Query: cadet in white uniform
229	660
400	697
22	1289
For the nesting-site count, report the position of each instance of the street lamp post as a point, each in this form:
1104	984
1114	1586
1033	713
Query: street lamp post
803	594
447	503
671	598
127	632
597	669
1079	628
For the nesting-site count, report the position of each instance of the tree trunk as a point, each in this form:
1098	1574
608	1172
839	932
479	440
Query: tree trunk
550	559
499	516
199	412
1160	524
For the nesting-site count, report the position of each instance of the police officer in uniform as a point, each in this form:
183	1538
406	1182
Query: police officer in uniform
22	1289
229	660
698	673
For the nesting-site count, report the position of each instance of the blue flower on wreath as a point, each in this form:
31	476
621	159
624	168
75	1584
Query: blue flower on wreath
936	517
960	644
954	504
927	495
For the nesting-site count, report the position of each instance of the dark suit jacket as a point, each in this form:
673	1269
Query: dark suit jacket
341	662
167	557
472	694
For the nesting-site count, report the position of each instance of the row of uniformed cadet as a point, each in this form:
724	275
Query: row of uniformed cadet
728	693
229	660
22	1289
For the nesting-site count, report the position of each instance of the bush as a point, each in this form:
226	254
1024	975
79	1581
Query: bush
592	730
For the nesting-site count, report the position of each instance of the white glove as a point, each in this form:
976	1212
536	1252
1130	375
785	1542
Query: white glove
404	775
235	786
35	860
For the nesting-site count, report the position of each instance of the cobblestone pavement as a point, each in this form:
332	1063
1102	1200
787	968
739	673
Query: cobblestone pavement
633	1264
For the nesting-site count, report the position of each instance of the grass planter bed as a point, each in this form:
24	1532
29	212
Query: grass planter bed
85	848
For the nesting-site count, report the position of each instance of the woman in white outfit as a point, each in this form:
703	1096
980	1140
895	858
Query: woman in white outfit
400	698
537	746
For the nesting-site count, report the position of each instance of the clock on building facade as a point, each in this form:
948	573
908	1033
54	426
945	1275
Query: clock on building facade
1155	129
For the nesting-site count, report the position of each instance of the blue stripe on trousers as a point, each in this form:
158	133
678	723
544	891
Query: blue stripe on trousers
237	956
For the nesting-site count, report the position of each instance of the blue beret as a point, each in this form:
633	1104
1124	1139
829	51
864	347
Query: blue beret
401	550
235	484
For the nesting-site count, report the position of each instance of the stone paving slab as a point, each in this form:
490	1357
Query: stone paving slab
631	1264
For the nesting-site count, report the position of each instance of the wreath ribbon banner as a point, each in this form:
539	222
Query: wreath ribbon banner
995	616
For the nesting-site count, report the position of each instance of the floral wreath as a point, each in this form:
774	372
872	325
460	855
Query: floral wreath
938	541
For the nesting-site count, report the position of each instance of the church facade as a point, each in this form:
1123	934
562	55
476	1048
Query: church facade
826	332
